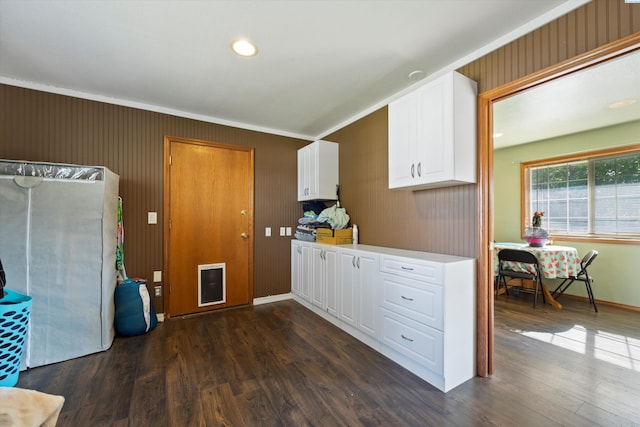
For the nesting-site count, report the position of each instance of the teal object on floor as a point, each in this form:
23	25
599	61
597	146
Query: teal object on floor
135	314
14	322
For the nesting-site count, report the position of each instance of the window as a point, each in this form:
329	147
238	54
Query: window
594	196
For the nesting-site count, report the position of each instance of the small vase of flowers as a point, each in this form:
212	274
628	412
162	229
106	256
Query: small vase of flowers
536	236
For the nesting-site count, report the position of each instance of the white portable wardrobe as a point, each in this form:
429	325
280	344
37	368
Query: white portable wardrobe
58	245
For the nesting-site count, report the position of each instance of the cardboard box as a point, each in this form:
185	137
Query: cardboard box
334	237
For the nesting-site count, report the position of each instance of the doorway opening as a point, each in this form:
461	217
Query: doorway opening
485	290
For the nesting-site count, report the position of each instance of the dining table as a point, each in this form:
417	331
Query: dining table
556	262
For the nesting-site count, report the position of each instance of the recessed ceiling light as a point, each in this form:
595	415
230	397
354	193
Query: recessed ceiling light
623	103
244	47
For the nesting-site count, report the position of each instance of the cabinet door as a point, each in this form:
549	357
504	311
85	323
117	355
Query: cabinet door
300	268
313	153
308	172
303	173
403	134
348	287
305	282
435	143
367	272
331	281
317	276
296	267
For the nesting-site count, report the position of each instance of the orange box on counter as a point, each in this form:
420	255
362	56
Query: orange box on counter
328	236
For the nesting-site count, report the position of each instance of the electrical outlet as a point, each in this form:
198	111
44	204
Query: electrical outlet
152	217
288	231
267	231
157	291
282	231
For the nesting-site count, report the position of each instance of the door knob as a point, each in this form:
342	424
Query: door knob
244	235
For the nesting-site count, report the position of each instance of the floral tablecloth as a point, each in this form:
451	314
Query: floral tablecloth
556	262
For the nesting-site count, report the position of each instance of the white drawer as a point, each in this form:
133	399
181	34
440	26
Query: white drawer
412	268
419	342
417	300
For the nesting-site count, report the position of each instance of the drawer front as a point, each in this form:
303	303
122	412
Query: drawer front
421	343
417	300
407	267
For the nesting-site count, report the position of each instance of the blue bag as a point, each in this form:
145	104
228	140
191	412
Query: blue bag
135	314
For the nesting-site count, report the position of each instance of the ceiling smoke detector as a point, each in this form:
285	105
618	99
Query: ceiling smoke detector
416	75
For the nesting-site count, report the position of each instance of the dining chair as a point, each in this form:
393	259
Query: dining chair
524	259
582	276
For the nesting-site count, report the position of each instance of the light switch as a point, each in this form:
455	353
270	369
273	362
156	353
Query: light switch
282	231
152	217
157	276
288	231
267	231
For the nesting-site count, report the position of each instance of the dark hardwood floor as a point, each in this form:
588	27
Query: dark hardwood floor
281	365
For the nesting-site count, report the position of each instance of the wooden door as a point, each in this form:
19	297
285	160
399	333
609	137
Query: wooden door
209	200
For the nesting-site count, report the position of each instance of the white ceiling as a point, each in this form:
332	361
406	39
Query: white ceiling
321	64
571	104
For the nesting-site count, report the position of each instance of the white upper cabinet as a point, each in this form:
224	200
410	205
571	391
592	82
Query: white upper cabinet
318	171
432	135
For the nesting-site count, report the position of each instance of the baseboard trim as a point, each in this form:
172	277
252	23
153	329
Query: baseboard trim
272	298
601	302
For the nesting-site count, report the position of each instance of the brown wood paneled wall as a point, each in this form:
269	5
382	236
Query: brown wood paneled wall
593	25
39	126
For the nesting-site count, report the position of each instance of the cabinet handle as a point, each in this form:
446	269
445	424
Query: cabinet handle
412	171
358	263
420	169
353	261
406	338
407	268
406	298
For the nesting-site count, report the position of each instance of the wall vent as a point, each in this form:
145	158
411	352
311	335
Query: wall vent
212	284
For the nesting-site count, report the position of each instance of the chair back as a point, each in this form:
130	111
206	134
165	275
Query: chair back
517	255
588	258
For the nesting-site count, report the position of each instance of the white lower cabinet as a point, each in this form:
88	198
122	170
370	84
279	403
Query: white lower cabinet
300	268
324	277
416	308
358	287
